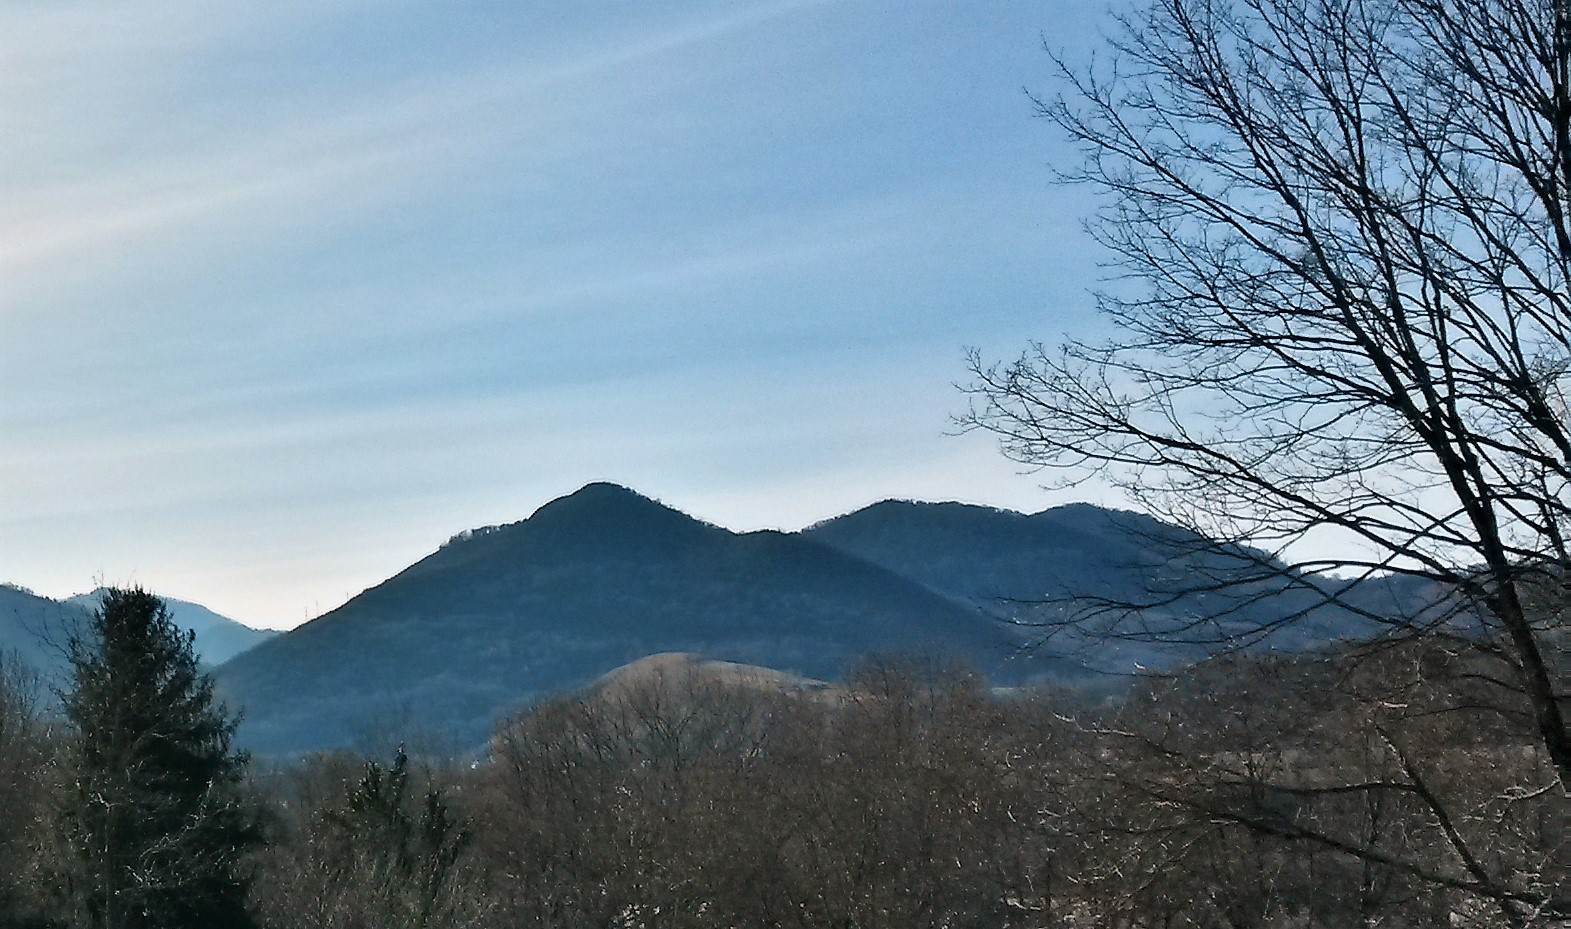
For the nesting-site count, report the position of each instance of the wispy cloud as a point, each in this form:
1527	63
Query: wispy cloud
281	282
315	163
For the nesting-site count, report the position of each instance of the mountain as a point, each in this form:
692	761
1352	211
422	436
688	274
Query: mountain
35	630
990	555
218	638
1038	573
501	615
588	583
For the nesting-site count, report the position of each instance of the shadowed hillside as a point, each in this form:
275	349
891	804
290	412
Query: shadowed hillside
35	629
504	614
588	583
1054	577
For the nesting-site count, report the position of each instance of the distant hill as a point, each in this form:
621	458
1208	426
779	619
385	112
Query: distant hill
590	582
218	638
1042	573
35	629
604	577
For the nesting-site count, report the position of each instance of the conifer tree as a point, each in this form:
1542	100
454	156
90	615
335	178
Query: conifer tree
156	822
397	846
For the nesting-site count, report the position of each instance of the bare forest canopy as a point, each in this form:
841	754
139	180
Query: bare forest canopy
1398	786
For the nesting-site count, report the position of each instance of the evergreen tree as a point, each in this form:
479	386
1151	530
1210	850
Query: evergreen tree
397	846
156	821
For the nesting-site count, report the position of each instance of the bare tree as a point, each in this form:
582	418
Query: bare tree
1343	229
698	794
1351	789
635	803
27	774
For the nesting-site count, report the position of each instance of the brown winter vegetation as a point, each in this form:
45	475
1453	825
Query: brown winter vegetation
1398	786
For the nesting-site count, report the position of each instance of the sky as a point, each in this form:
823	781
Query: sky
292	292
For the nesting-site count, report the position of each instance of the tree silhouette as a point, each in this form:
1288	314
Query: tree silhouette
1343	318
1343	230
155	819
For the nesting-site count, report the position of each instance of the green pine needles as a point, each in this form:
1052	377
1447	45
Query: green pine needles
157	822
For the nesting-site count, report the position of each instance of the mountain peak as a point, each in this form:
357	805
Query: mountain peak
598	521
611	508
599	494
590	582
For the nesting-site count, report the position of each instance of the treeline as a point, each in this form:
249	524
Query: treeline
1399	786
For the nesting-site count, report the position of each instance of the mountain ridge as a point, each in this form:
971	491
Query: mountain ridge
1041	573
500	615
587	583
36	628
218	638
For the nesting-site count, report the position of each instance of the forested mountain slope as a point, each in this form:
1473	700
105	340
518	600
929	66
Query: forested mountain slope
588	583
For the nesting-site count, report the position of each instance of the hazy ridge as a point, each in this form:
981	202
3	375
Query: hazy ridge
502	615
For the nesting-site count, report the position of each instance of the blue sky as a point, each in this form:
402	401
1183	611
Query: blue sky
291	292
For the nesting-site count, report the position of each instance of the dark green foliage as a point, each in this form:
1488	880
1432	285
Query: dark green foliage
366	845
408	839
154	816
